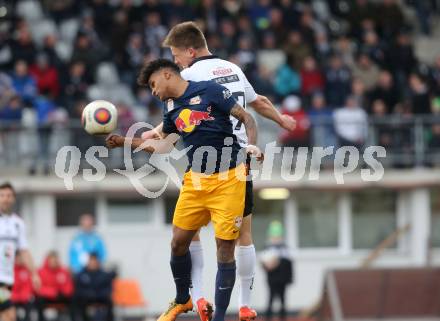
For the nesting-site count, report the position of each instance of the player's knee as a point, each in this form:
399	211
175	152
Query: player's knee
225	251
245	238
178	247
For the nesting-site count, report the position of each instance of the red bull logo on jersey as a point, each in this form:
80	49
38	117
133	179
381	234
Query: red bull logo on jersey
188	119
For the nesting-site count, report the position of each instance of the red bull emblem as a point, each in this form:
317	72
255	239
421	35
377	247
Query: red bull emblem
188	119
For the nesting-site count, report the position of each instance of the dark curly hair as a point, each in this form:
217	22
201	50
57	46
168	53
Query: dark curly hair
152	67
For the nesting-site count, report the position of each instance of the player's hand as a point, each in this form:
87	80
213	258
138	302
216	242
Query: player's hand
288	122
113	141
150	134
36	281
254	151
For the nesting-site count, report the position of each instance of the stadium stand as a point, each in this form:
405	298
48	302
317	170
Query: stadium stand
302	48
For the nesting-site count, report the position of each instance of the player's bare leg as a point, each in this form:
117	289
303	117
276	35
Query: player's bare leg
204	307
8	315
181	268
246	263
225	278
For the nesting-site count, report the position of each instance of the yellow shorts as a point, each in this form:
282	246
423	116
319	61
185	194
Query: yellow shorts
218	198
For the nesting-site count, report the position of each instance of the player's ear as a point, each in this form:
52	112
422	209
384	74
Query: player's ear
167	74
192	52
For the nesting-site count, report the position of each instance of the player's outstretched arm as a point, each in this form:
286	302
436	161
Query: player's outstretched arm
161	146
265	108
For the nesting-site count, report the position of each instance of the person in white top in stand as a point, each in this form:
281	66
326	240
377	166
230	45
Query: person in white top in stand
12	240
190	51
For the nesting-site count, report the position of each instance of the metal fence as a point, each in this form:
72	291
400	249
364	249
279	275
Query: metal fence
412	141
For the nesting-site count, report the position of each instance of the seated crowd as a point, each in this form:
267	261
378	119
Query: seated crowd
80	296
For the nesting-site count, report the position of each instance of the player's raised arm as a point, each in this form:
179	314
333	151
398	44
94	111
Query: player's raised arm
265	108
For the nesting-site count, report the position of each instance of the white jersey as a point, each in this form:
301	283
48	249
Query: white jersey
226	74
12	238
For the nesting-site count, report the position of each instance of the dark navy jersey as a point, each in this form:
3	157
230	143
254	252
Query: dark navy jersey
201	117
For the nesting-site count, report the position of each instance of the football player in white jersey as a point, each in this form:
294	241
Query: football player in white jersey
12	239
190	51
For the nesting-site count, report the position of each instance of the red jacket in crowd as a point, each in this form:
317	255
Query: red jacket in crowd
300	135
55	282
22	291
311	81
47	80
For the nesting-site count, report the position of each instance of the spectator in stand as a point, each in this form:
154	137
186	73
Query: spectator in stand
323	47
23	83
7	90
307	26
85	51
86	241
22	295
45	109
312	79
102	16
75	84
338	82
299	137
154	33
345	48
401	59
245	54
386	91
120	32
23	47
209	11
287	80
366	71
358	92
419	95
228	33
374	48
351	124
391	19
132	58
262	82
296	49
46	76
269	55
93	286
245	28
88	28
5	50
49	49
278	265
56	285
277	27
384	134
321	122
259	14
360	11
11	114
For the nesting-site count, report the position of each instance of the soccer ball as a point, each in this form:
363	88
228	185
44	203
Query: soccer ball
99	117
